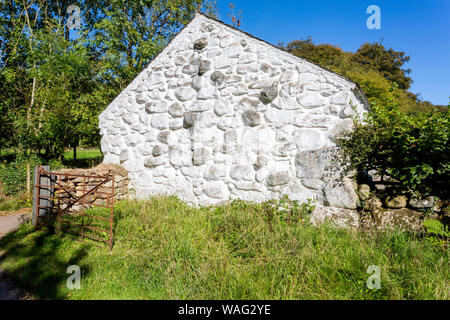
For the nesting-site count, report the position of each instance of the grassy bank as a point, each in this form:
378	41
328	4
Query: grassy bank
12	205
167	250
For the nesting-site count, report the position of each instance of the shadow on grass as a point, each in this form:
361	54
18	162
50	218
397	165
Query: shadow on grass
38	264
82	163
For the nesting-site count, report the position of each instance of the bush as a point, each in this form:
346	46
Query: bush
13	204
413	149
438	234
287	210
13	175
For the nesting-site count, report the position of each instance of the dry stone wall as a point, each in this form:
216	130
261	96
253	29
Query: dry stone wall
219	115
78	186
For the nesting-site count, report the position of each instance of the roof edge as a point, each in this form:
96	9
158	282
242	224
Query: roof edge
154	59
358	87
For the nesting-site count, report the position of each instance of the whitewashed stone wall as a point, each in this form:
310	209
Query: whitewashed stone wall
219	115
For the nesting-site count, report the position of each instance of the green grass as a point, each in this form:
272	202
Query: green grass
86	158
166	250
13	203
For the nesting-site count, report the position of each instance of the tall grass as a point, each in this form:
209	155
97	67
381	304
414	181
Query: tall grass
166	250
11	204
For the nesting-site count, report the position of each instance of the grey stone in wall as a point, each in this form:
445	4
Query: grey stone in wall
176	110
270	93
344	218
205	66
217	77
200	44
251	118
191	118
278	178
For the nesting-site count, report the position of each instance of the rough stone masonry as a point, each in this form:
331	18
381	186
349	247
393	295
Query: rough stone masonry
220	115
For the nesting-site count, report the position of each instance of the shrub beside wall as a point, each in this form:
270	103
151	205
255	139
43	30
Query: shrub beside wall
402	163
411	149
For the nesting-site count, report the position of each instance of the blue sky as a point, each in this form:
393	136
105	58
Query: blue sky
421	28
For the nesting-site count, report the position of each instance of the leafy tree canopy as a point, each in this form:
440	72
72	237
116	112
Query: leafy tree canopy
54	82
386	61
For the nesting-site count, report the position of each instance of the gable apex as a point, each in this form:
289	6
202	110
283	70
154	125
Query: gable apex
201	17
200	14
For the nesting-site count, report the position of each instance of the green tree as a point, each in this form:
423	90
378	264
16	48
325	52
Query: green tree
70	95
322	54
132	33
386	61
55	82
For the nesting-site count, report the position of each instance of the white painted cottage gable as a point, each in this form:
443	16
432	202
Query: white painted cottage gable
220	115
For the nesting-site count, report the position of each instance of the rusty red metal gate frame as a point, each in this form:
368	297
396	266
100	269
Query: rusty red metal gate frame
58	212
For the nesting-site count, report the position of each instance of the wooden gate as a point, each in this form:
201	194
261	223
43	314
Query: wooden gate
66	200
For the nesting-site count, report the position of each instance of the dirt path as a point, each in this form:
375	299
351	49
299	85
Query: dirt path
9	223
8	290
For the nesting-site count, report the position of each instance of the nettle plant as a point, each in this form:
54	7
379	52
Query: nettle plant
287	210
412	149
437	233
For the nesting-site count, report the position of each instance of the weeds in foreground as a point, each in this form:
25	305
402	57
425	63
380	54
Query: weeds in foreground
165	249
11	204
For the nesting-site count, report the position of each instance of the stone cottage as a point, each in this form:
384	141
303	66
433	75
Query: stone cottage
220	115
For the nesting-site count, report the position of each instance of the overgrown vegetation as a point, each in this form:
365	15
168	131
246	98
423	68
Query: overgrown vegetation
12	204
412	149
166	250
13	175
437	233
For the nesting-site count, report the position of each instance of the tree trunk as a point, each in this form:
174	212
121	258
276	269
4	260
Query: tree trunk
28	180
29	110
74	154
